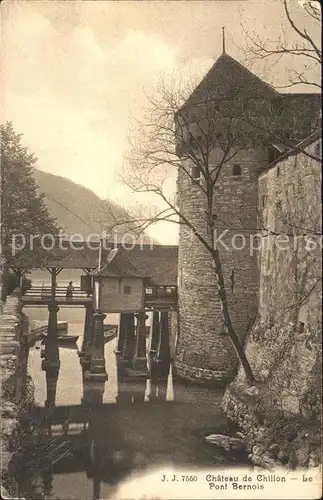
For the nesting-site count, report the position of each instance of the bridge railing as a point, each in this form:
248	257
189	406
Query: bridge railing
167	294
60	291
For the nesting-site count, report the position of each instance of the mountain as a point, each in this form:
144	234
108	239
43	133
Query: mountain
77	209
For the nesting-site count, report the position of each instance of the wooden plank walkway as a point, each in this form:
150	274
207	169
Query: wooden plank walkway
43	296
61	301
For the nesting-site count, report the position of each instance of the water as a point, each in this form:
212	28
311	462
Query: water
130	429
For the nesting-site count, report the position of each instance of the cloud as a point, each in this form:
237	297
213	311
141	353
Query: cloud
71	98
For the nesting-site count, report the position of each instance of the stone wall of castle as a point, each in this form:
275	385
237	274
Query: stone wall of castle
284	347
290	255
204	352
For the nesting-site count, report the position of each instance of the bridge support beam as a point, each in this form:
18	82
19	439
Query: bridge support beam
51	365
163	353
93	394
121	333
154	342
157	390
140	360
163	346
52	320
129	342
87	335
97	366
155	332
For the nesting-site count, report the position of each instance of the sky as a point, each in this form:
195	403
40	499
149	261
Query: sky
76	72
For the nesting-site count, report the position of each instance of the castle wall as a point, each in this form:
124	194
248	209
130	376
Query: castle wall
204	352
290	255
284	347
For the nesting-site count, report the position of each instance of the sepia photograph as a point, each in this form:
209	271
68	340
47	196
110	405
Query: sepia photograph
160	250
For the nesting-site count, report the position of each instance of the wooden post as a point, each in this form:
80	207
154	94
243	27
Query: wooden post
140	360
21	280
97	367
53	307
51	364
154	342
121	333
93	394
138	390
152	395
163	346
155	332
163	354
129	345
53	287
162	390
96	487
87	334
124	393
52	321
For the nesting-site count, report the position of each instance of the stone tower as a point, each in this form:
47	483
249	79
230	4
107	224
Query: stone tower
203	350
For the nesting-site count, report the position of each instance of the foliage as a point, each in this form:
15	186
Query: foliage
14	282
23	210
24	213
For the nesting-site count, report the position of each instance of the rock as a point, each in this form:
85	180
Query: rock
283	456
302	456
240	435
258	450
4	493
313	461
263	374
274	448
8	425
252	391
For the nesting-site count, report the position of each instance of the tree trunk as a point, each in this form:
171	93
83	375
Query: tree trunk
227	319
4	276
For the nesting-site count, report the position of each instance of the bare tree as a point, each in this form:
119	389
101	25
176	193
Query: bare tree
176	140
298	42
303	45
178	136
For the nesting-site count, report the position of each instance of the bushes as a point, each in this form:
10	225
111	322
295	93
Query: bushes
13	281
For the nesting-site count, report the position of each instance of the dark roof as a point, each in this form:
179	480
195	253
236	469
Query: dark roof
227	76
157	262
66	254
298	148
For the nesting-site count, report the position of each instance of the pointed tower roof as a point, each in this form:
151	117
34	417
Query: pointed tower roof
228	79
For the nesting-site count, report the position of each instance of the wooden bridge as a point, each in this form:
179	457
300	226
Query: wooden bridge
39	295
152	286
161	297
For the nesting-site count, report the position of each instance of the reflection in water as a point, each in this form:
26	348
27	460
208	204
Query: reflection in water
105	432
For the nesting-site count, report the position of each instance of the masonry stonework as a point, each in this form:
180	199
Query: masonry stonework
204	352
281	416
231	100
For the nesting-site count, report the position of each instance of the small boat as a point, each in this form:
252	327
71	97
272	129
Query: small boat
110	332
62	339
67	338
62	327
108	327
